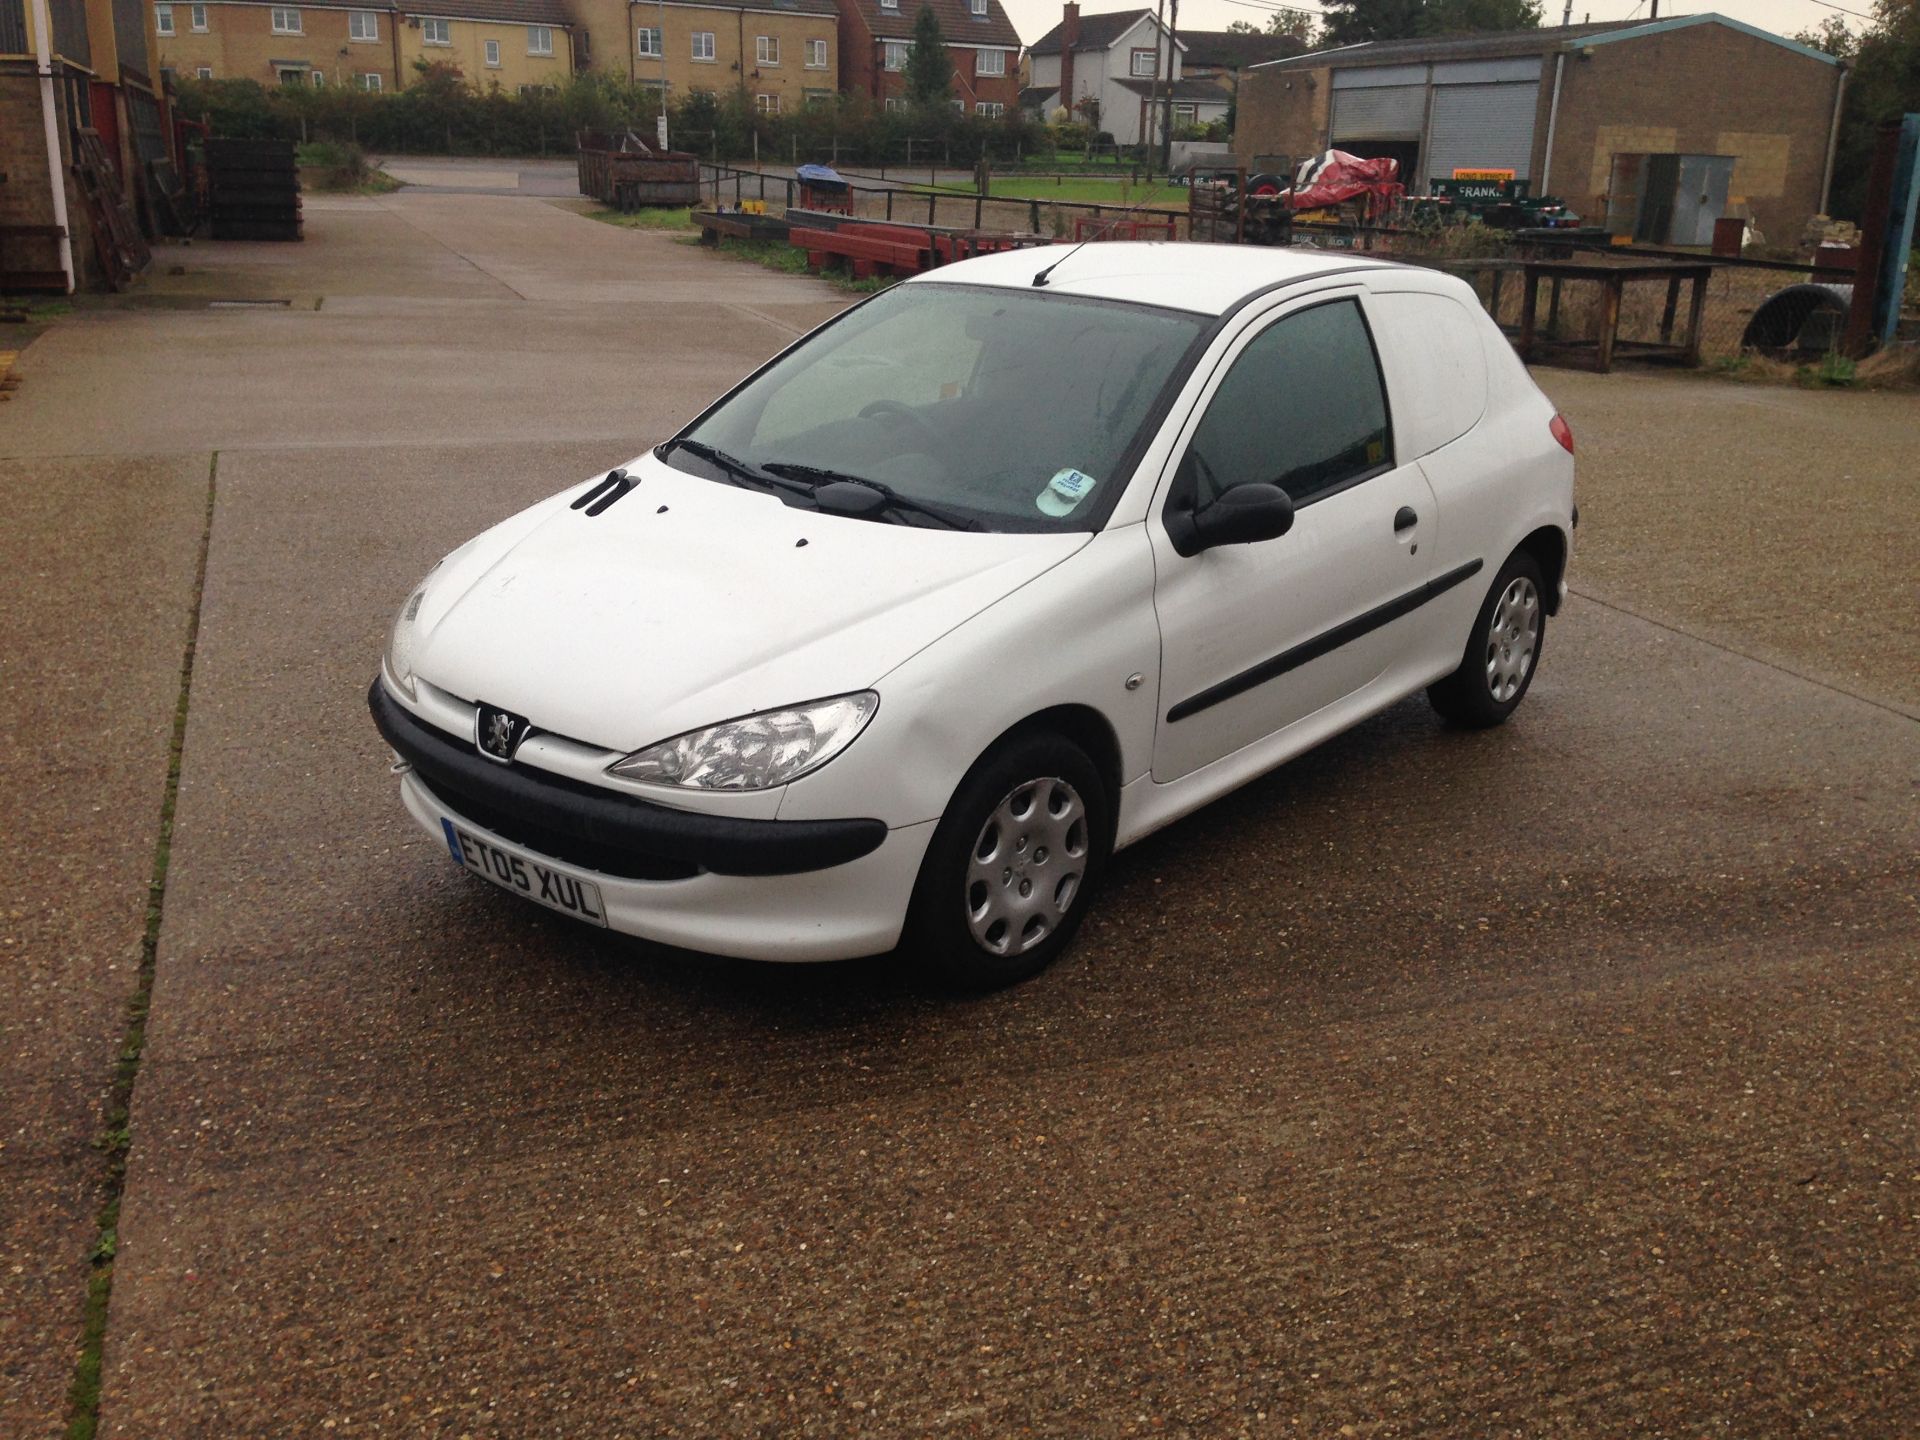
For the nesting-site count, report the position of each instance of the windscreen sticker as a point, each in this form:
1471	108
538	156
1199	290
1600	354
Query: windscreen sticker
1065	491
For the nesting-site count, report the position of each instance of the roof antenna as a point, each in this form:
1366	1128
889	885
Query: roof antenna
1040	280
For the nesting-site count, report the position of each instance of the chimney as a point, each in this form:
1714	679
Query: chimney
1069	37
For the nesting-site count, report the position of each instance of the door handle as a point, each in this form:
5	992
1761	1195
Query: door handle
1404	520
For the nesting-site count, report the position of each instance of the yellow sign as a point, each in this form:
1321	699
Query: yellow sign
1469	173
753	207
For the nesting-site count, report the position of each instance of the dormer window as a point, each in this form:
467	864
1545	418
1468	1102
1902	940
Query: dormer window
979	8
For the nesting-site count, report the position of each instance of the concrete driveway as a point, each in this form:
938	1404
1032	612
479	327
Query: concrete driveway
1553	1080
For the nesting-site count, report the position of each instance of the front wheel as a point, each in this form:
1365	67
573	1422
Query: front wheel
1007	875
1502	652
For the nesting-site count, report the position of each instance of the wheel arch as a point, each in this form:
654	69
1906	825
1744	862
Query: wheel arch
1083	726
1548	547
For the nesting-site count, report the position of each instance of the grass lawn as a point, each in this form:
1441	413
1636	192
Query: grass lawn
1103	191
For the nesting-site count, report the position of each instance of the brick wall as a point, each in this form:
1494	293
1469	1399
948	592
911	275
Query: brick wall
1704	90
466	51
25	198
1281	112
239	44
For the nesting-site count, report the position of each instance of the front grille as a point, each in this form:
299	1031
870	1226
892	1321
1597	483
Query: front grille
568	849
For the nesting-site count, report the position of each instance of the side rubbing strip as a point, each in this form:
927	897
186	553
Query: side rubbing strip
1322	644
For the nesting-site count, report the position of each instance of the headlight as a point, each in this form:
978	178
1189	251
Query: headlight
756	752
400	644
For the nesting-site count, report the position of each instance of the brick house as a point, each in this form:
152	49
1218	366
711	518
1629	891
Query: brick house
1608	116
1126	62
105	78
514	44
781	54
875	34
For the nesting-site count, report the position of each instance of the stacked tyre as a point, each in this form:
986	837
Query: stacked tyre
255	189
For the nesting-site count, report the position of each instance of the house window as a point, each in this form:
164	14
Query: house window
816	54
492	49
896	55
703	45
814	99
1145	64
1185	114
992	109
319	78
646	43
363	25
371	82
889	4
539	40
979	7
205	72
766	49
197	16
285	22
894	102
767	104
163	19
959	105
435	32
990	62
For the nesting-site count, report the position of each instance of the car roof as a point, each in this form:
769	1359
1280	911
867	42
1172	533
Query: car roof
1206	279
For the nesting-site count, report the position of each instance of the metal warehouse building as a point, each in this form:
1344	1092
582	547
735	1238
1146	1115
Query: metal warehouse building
1660	128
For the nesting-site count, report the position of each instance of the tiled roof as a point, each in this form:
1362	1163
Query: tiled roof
1491	45
1097	32
1235	50
502	12
1203	92
957	21
798	7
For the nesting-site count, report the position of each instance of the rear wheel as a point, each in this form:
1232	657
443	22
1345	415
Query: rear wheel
1006	878
1502	652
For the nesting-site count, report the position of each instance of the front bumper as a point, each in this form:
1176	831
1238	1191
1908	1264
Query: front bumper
608	830
853	909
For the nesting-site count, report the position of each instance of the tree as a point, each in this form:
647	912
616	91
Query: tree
1349	22
1884	84
1242	27
1831	37
1297	23
929	67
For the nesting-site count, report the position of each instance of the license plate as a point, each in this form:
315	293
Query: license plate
525	876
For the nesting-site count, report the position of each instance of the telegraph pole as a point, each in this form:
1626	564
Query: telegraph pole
1153	101
1173	40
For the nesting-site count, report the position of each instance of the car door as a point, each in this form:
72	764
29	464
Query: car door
1255	637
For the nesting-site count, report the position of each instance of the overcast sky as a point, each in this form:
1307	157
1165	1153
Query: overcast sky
1033	18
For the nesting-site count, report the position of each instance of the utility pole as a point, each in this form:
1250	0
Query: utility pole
1153	102
662	135
1173	41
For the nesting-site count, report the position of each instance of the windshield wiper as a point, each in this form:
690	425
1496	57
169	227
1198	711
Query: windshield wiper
820	475
737	467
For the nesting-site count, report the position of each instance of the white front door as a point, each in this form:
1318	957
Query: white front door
1257	636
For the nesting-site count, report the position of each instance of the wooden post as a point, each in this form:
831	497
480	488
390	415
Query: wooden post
978	201
1610	289
889	204
1553	307
1696	307
1529	302
1673	304
931	199
1033	215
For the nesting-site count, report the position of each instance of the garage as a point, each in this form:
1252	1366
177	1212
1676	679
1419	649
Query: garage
1482	118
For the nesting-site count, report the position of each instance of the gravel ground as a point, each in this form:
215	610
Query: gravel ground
1555	1080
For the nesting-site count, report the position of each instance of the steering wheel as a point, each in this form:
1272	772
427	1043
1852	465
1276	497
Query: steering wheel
875	409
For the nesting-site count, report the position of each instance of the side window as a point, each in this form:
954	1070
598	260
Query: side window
1302	408
1434	352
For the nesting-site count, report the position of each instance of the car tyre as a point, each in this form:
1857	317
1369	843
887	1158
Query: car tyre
1503	650
1010	869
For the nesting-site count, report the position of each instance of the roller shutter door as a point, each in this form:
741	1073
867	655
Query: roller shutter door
1386	112
1483	127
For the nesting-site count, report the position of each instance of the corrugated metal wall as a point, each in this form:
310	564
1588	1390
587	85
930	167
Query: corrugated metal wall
1482	127
1384	112
13	28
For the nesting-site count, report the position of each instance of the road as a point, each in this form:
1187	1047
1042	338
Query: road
1557	1080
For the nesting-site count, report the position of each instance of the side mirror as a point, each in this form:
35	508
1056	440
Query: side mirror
1241	516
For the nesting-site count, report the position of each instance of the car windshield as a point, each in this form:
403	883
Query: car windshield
992	409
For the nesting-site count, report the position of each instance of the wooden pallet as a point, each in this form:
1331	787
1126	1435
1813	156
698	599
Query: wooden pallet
122	250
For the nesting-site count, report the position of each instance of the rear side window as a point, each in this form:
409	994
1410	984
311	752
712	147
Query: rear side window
1303	408
1436	361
